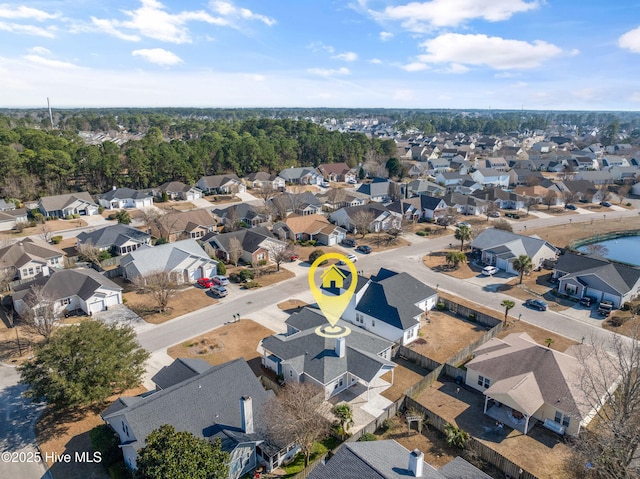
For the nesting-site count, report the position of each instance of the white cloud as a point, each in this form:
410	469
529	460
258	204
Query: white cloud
423	16
385	36
24	12
227	9
346	56
327	72
49	63
159	56
457	68
403	95
415	67
48	32
152	21
519	84
630	40
375	61
40	50
321	47
481	50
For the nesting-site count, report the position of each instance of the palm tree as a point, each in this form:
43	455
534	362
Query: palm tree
463	233
549	342
507	304
345	418
522	264
454	258
456	437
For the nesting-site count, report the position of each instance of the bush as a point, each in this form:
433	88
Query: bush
120	471
234	278
440	306
56	239
246	274
68	217
367	436
104	255
262	262
314	255
251	285
222	269
105	441
161	241
422	233
307	243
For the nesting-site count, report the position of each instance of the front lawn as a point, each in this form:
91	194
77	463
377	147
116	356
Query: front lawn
319	449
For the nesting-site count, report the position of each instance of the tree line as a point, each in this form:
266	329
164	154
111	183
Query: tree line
35	161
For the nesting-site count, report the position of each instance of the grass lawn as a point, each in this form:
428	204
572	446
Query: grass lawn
319	448
176	206
437	261
185	301
536	285
52	226
539	335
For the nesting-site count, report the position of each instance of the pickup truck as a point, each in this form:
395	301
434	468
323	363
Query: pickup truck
605	307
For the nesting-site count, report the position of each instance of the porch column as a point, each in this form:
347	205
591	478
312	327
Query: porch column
392	373
486	400
526	423
368	387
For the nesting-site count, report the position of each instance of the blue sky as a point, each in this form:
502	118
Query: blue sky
532	54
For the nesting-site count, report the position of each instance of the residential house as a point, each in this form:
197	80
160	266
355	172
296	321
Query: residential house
419	207
582	190
183	224
451	178
603	177
221	184
216	402
335	364
118	239
70	289
626	174
465	204
242	214
258	245
378	190
582	163
177	190
423	187
538	194
438	165
121	198
496	163
11	218
335	198
29	256
185	260
337	172
299	203
4	206
489	177
262	179
596	277
528	382
507	200
524	176
612	160
388	459
500	248
381	218
390	304
303	176
309	227
59	206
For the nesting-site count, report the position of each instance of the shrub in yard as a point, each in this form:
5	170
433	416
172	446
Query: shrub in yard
234	278
262	262
222	269
246	274
56	239
251	285
628	204
422	233
427	229
120	471
367	436
314	255
440	306
105	441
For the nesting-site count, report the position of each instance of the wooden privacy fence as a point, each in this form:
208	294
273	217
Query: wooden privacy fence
485	452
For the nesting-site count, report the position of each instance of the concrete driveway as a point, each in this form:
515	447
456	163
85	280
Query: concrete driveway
17	420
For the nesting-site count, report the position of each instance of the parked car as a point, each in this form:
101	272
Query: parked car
294	257
537	304
514	216
351	257
364	249
571	207
605	307
220	280
325	184
587	301
352	182
493	214
605	203
205	282
489	270
463	223
350	242
219	291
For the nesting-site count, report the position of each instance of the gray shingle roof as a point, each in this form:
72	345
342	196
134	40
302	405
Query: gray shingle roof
371	460
179	370
461	469
117	234
123	194
164	257
216	181
205	405
392	297
378	187
59	202
251	239
494	239
315	355
29	249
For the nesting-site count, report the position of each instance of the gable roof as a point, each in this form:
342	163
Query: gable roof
179	370
613	277
117	235
64	283
29	249
392	297
251	239
309	224
174	187
334	168
216	181
378	187
241	210
509	245
123	194
180	221
60	202
289	174
165	257
315	355
199	405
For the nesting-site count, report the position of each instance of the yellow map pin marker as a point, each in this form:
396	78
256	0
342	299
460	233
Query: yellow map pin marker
333	306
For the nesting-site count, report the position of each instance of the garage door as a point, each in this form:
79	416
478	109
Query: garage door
97	306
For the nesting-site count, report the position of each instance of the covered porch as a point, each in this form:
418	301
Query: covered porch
514	401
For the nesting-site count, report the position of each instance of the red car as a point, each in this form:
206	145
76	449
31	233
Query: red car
294	257
205	282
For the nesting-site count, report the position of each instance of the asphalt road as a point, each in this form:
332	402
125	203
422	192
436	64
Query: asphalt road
17	438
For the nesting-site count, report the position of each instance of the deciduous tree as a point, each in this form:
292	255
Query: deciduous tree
84	364
362	220
235	250
40	315
160	285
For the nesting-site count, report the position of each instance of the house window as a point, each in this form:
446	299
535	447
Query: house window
24	272
290	373
485	382
65	301
566	420
558	417
260	257
570	289
30	271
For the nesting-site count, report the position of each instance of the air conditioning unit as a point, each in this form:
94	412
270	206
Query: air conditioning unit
554	426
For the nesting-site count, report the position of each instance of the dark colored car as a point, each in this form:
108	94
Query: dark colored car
537	304
586	301
364	249
605	203
515	216
605	307
571	207
350	242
